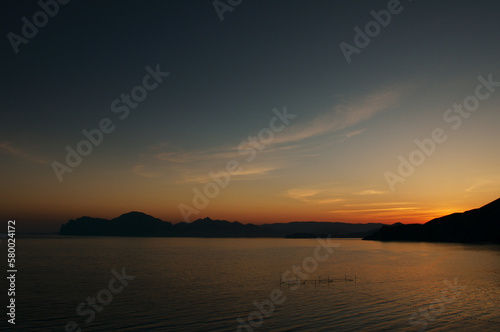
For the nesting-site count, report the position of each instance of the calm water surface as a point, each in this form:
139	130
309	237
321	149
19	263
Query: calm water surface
192	284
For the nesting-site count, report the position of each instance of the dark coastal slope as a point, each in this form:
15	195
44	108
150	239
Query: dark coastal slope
477	225
140	224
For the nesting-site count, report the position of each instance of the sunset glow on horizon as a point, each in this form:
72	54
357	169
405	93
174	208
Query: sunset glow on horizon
212	122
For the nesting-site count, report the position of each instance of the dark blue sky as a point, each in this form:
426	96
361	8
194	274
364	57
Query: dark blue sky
225	78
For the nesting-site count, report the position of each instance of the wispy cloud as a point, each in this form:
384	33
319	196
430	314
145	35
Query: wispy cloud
483	184
141	170
196	156
313	196
371	192
7	148
292	143
249	172
340	117
345	115
378	204
355	133
375	210
386	211
182	174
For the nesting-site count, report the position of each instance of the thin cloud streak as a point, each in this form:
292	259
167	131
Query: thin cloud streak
371	192
7	148
312	196
375	210
189	157
341	117
294	140
248	172
345	115
483	184
379	204
140	170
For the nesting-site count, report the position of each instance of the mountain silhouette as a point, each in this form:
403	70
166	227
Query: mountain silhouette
128	224
477	225
140	224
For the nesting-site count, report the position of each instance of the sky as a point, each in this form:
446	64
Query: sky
259	111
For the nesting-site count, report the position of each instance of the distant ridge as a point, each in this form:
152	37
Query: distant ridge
142	225
473	226
307	229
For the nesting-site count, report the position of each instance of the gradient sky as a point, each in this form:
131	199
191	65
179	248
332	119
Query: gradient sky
352	120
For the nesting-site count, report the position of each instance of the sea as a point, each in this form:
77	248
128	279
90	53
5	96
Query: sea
252	284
